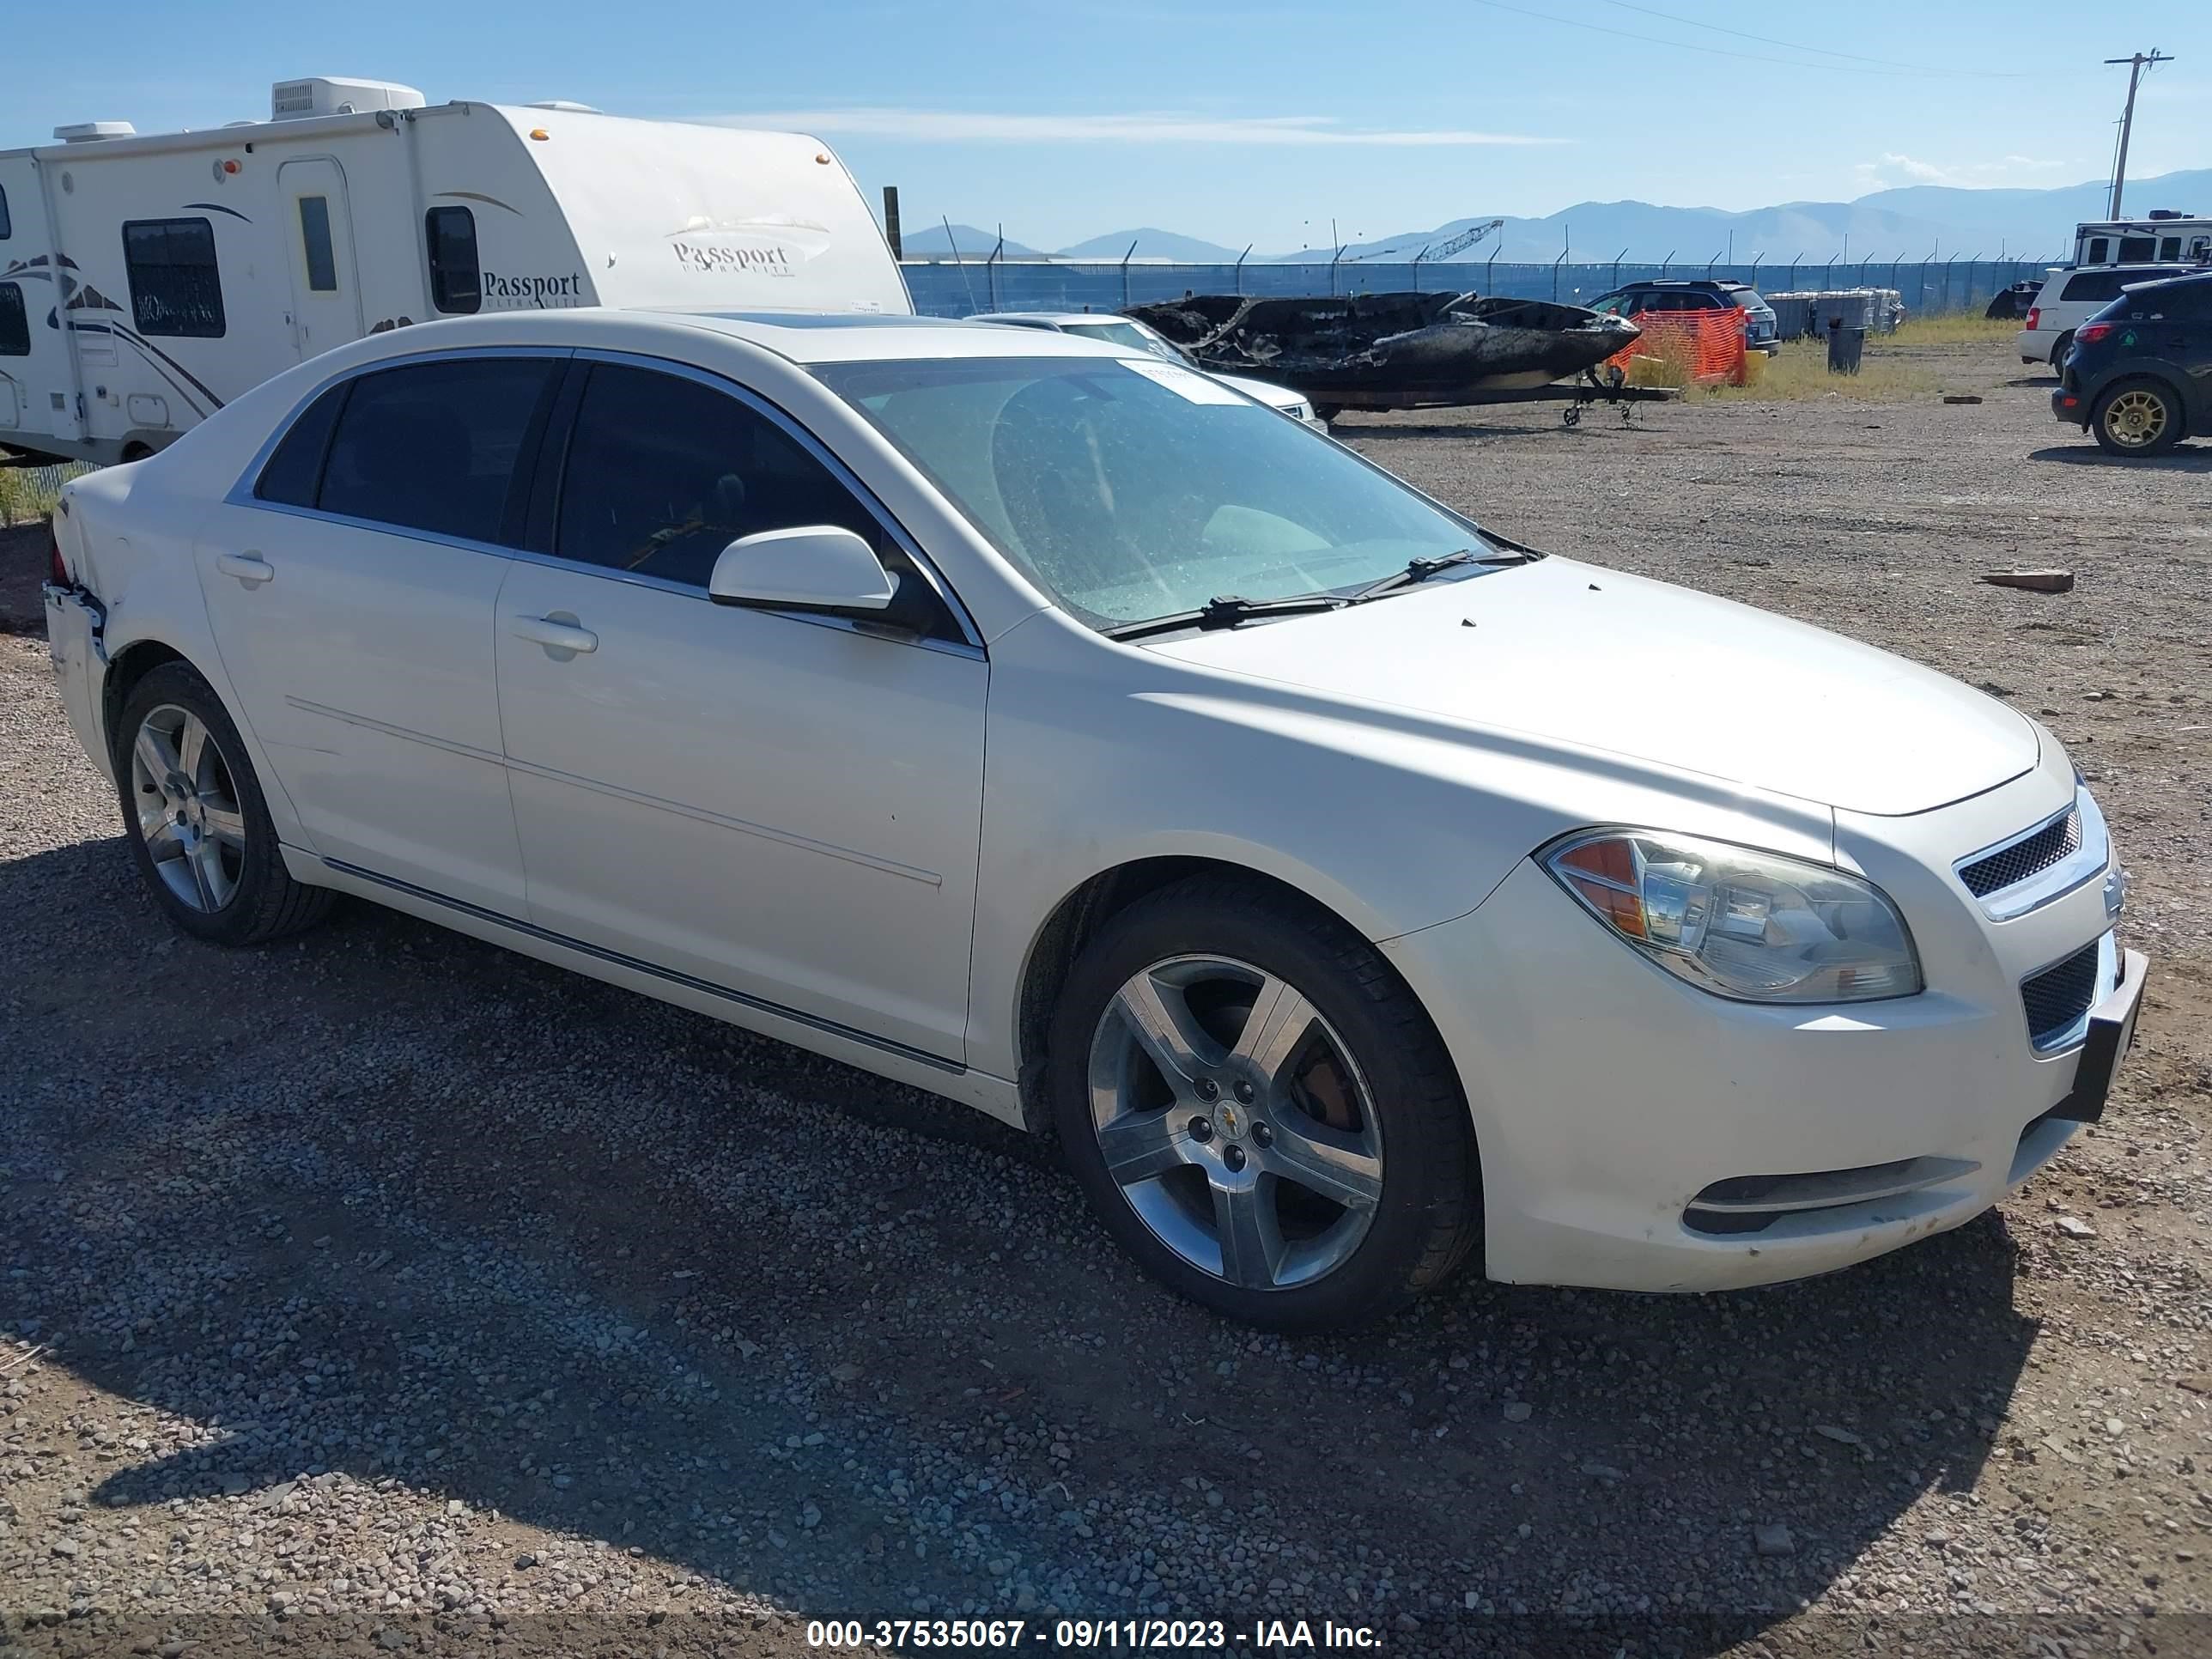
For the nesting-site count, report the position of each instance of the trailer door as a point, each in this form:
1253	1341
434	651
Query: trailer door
318	228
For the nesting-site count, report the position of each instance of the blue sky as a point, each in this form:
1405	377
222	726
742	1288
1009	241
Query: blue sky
1231	120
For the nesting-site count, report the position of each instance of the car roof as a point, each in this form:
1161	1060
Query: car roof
859	336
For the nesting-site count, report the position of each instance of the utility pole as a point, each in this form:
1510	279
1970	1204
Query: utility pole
2137	64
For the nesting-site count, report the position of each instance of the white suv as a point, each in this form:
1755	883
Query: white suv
2072	296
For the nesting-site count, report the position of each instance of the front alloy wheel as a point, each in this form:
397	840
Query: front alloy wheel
1259	1109
1235	1122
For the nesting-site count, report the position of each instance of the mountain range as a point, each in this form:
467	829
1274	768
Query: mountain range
1911	223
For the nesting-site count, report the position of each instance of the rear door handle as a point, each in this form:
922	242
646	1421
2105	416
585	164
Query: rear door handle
553	635
249	568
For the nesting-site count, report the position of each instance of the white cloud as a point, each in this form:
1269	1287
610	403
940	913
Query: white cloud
968	126
1894	167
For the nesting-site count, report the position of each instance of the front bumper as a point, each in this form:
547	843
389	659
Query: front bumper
1609	1097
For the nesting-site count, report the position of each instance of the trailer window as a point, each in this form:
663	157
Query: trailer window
2100	251
6	230
14	326
456	283
174	286
315	242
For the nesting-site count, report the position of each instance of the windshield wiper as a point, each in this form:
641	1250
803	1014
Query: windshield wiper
1226	610
1419	570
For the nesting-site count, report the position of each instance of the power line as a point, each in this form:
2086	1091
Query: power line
1723	51
1825	52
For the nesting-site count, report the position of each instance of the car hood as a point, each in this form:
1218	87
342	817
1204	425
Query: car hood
1580	655
1275	397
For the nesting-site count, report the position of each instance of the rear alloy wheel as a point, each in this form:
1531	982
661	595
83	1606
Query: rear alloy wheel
200	828
2136	417
1259	1109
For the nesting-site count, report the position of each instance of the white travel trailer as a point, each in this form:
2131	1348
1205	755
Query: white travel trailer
145	280
2165	238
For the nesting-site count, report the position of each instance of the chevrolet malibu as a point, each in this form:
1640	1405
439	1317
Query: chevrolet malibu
1350	890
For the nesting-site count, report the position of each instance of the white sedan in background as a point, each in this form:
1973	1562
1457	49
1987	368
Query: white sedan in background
1351	889
1143	336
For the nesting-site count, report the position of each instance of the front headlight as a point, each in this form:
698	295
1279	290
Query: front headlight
1753	926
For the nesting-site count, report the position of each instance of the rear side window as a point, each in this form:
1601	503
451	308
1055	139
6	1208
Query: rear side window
456	278
175	288
2096	285
433	447
294	470
663	473
15	325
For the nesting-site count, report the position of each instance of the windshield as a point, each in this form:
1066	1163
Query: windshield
1121	331
1130	490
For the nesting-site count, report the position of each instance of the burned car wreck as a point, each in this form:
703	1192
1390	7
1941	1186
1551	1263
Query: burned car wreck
1391	351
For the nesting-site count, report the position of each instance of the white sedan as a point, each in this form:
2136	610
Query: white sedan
1353	891
1127	331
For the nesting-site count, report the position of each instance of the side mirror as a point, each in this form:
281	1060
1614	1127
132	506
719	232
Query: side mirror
818	566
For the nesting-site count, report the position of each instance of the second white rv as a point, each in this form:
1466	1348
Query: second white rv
147	279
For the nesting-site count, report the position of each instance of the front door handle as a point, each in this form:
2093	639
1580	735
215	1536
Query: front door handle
249	568
554	634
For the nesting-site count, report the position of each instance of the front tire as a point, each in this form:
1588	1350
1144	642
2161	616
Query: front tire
1259	1109
2138	417
199	826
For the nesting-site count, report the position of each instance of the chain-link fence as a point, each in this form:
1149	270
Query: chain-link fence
952	288
28	493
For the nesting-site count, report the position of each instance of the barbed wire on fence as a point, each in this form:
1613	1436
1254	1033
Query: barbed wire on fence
946	288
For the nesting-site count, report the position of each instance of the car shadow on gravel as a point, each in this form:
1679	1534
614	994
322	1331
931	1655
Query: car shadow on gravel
386	1217
2185	458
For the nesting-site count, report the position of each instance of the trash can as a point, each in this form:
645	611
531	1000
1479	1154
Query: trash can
1846	345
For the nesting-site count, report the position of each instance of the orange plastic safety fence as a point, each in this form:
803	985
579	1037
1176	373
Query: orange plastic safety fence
1708	345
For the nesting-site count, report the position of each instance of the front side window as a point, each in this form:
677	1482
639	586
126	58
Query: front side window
664	472
456	278
14	325
315	244
433	447
175	288
1132	490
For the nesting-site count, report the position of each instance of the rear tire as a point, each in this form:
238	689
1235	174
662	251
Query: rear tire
2137	416
2059	347
196	821
1303	1159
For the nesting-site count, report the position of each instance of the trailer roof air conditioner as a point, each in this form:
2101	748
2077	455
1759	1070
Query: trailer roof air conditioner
89	132
331	95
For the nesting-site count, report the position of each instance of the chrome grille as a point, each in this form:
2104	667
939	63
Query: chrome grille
2010	866
2058	996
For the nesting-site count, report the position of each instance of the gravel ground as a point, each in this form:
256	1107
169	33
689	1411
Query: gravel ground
384	1291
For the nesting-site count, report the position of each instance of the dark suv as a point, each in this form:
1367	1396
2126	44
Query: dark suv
2140	373
1632	298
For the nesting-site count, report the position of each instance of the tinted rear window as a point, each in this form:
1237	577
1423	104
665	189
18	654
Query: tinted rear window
295	469
433	447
